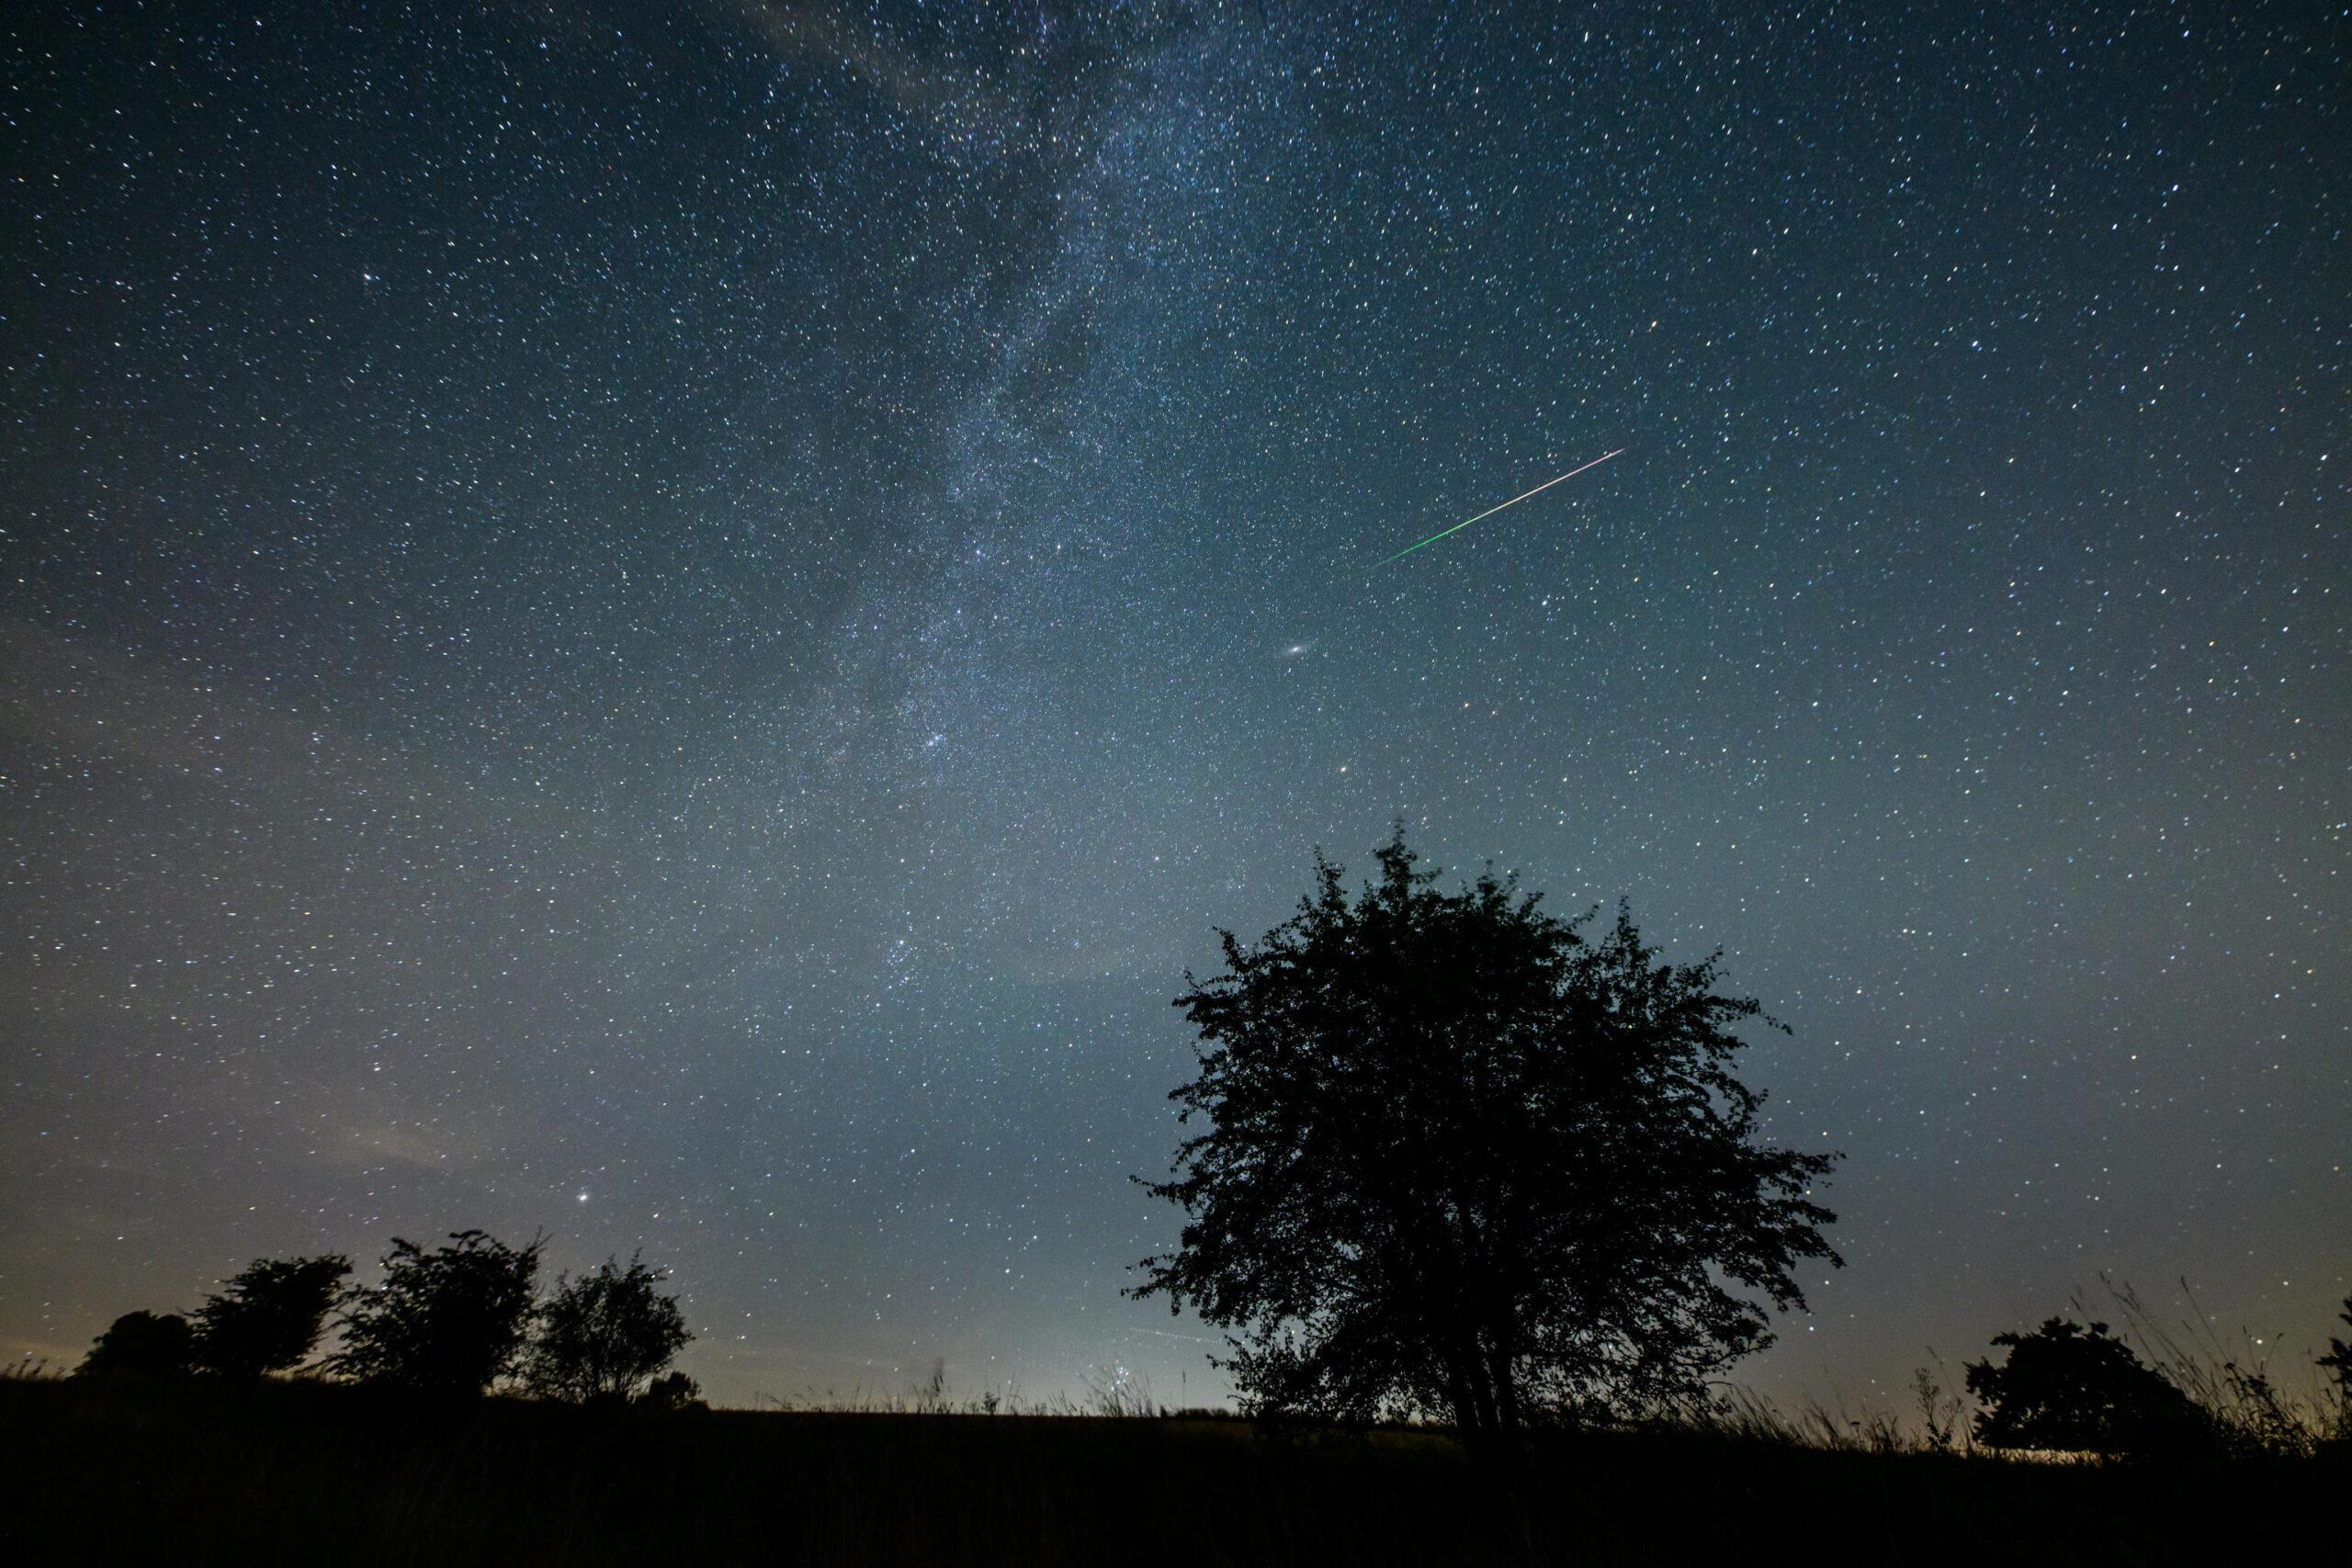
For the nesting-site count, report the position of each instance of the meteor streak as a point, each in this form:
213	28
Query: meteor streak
1514	501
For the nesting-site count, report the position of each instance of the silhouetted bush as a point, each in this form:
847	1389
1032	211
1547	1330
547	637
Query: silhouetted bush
671	1392
602	1334
139	1344
269	1317
2064	1388
451	1321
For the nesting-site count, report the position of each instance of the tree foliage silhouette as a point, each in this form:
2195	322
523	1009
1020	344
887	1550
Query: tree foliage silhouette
1462	1161
139	1345
451	1321
269	1317
602	1334
2062	1387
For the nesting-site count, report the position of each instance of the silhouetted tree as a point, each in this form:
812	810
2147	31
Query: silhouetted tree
2062	1387
269	1317
139	1344
1462	1161
602	1334
451	1321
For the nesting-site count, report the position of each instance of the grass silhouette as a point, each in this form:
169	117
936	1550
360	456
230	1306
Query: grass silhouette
201	1471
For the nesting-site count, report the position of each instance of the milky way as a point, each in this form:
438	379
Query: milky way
673	623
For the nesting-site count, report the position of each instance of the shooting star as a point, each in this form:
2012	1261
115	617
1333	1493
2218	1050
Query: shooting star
1514	501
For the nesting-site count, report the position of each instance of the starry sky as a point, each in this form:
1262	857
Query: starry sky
671	623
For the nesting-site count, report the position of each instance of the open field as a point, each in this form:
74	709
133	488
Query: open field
199	1474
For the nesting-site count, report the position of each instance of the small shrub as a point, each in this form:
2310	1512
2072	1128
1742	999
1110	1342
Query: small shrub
2065	1388
140	1345
1938	1412
671	1392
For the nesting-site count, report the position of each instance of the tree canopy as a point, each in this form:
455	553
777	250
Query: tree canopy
267	1317
602	1334
1464	1161
139	1345
451	1321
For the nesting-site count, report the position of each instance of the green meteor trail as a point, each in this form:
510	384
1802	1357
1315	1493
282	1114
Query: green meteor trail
1514	501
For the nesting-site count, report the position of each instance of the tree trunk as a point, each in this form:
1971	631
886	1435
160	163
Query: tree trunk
1459	1394
1508	1414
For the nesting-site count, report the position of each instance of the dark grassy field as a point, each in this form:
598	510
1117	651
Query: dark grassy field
286	1472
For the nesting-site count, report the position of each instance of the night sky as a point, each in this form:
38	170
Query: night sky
673	623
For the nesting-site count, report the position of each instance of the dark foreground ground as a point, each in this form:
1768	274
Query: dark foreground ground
287	1472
